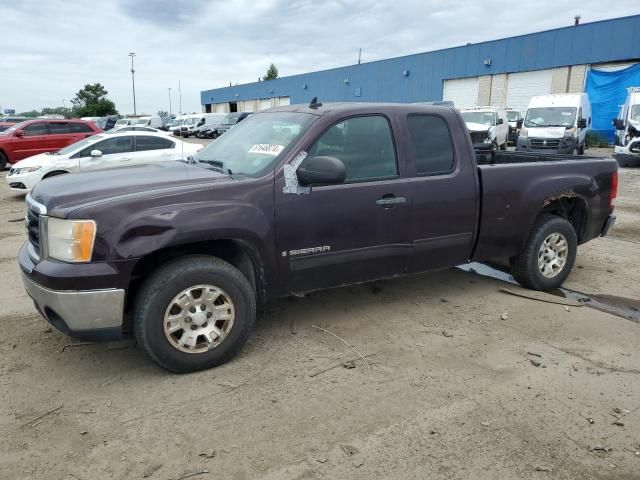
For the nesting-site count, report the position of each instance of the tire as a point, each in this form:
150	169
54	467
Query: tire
157	299
581	149
3	161
525	267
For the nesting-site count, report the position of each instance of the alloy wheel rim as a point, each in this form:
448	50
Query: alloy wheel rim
198	319
553	254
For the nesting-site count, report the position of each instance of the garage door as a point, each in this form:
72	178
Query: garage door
463	92
284	101
522	86
265	103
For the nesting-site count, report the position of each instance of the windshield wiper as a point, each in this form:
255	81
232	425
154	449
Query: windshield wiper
217	165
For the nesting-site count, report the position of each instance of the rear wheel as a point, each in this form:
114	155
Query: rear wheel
548	255
193	313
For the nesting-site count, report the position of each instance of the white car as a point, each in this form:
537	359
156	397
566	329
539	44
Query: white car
487	126
136	128
99	152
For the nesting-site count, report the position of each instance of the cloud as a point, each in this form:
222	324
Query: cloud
51	49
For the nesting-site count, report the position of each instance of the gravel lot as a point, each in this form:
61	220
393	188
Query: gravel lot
455	389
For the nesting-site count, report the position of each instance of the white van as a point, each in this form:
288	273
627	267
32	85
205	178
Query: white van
154	121
556	123
627	148
488	126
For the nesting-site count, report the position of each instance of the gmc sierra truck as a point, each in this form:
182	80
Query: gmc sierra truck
291	200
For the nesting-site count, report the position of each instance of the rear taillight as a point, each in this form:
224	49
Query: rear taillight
614	189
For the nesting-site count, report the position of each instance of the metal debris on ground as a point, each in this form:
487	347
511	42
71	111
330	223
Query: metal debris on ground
322	460
447	334
188	475
485	423
315	374
534	354
357	464
347	344
210	454
349	365
600	448
35	421
504	316
618	423
349	450
151	469
541	468
77	344
534	363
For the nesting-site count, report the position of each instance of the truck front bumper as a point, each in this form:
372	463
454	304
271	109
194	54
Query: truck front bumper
546	145
94	312
86	314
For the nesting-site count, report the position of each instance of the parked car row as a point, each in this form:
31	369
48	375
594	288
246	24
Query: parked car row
556	123
106	150
627	124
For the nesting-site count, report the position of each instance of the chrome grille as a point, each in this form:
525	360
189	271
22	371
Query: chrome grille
479	137
544	142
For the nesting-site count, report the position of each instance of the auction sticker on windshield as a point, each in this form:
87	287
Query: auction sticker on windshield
266	148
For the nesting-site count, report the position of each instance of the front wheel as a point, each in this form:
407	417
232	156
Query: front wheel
194	313
548	256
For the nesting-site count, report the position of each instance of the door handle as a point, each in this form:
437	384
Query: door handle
390	200
126	159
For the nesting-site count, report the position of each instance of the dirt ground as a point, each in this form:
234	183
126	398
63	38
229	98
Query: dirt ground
463	382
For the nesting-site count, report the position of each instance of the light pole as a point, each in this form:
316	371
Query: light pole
180	96
133	81
169	101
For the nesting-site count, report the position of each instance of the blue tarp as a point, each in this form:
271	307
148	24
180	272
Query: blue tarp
607	91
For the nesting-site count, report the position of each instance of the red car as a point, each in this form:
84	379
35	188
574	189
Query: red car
36	136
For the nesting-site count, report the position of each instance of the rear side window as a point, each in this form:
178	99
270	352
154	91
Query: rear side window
80	128
36	129
59	128
431	142
365	146
144	143
110	146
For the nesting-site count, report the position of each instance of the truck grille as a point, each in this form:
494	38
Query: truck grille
33	230
544	142
33	226
479	137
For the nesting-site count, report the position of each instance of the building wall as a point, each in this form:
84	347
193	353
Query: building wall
420	77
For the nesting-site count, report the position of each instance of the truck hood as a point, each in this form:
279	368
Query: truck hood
546	132
477	127
64	193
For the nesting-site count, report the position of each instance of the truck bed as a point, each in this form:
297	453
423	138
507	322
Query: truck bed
516	186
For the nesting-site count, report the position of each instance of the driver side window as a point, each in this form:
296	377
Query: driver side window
365	146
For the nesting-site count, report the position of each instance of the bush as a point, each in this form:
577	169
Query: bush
595	140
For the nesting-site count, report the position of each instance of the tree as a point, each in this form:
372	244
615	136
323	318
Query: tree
163	114
92	101
272	73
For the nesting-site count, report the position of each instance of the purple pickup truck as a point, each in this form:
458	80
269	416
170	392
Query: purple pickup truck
291	200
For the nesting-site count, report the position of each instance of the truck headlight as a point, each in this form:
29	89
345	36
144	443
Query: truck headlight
70	240
523	132
570	132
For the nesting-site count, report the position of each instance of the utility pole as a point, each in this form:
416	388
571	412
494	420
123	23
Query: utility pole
180	95
133	81
359	55
169	101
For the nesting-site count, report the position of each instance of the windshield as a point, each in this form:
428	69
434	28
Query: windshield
634	113
513	116
79	145
230	120
484	118
550	117
122	121
255	144
142	121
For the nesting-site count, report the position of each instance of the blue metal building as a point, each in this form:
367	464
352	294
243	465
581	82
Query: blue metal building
503	72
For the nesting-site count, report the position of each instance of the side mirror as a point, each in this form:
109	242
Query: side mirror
519	123
582	123
321	171
500	121
96	153
19	133
618	123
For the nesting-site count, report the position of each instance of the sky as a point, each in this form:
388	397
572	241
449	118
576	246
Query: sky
51	49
